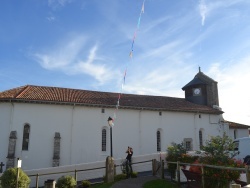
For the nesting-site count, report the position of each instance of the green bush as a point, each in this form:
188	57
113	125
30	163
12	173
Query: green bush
119	177
174	152
217	152
66	181
8	179
134	174
86	183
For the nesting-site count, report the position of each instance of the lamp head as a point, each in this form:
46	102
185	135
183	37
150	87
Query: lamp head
110	121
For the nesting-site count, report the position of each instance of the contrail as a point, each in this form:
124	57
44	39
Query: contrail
203	11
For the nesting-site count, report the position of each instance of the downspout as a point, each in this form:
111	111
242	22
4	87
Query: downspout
71	133
140	133
11	116
195	134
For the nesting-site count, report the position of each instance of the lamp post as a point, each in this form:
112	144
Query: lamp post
110	122
19	164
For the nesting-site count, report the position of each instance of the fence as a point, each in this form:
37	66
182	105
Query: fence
178	170
89	170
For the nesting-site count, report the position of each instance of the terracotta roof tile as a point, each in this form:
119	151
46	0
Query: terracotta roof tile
55	95
233	125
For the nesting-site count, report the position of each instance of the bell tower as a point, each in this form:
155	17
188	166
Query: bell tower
202	90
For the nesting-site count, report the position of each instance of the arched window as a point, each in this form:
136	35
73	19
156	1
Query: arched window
158	138
104	139
26	136
200	138
235	133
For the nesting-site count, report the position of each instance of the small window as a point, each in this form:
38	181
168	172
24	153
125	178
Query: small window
158	135
160	113
200	138
199	116
103	110
26	135
188	144
235	134
104	140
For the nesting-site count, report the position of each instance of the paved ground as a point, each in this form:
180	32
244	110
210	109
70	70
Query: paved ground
134	182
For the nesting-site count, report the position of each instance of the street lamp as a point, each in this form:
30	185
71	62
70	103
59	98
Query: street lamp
110	122
19	164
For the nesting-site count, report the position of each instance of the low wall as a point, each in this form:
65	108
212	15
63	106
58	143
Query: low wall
91	174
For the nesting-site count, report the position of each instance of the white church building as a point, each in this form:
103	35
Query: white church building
51	126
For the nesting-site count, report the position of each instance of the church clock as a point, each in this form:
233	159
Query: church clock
197	91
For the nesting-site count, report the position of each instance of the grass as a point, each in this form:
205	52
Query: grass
159	183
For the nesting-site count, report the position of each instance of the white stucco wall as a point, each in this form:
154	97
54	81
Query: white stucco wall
80	130
239	133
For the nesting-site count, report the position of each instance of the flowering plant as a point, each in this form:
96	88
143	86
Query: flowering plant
217	151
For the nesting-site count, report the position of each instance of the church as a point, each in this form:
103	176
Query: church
52	126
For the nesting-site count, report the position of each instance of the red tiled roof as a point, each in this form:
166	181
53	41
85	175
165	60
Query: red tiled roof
233	125
42	94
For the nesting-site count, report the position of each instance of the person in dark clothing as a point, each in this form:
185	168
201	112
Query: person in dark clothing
129	161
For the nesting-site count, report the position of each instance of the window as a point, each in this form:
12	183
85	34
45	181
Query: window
26	135
235	133
158	135
188	144
200	138
104	140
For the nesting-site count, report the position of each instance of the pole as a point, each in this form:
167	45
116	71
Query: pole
17	176
111	145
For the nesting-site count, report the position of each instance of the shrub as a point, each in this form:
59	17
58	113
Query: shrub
217	151
66	181
173	153
220	148
119	177
134	174
86	183
8	179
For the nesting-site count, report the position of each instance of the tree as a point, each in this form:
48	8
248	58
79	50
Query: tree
8	179
220	148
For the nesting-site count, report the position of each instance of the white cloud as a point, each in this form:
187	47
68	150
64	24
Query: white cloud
203	11
62	55
234	93
209	7
51	18
56	3
68	57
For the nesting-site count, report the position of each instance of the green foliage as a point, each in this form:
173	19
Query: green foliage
66	181
220	148
173	153
8	179
218	153
86	183
134	174
119	177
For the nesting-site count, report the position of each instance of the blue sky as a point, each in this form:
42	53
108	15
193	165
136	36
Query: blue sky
85	44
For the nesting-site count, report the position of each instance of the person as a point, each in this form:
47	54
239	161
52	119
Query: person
129	161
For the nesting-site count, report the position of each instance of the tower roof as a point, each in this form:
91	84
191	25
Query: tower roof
199	78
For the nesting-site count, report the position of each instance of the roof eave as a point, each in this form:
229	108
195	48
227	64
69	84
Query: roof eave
217	112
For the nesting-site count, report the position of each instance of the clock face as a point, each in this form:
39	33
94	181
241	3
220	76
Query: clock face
197	91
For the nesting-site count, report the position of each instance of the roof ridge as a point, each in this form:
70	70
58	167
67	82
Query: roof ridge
22	90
